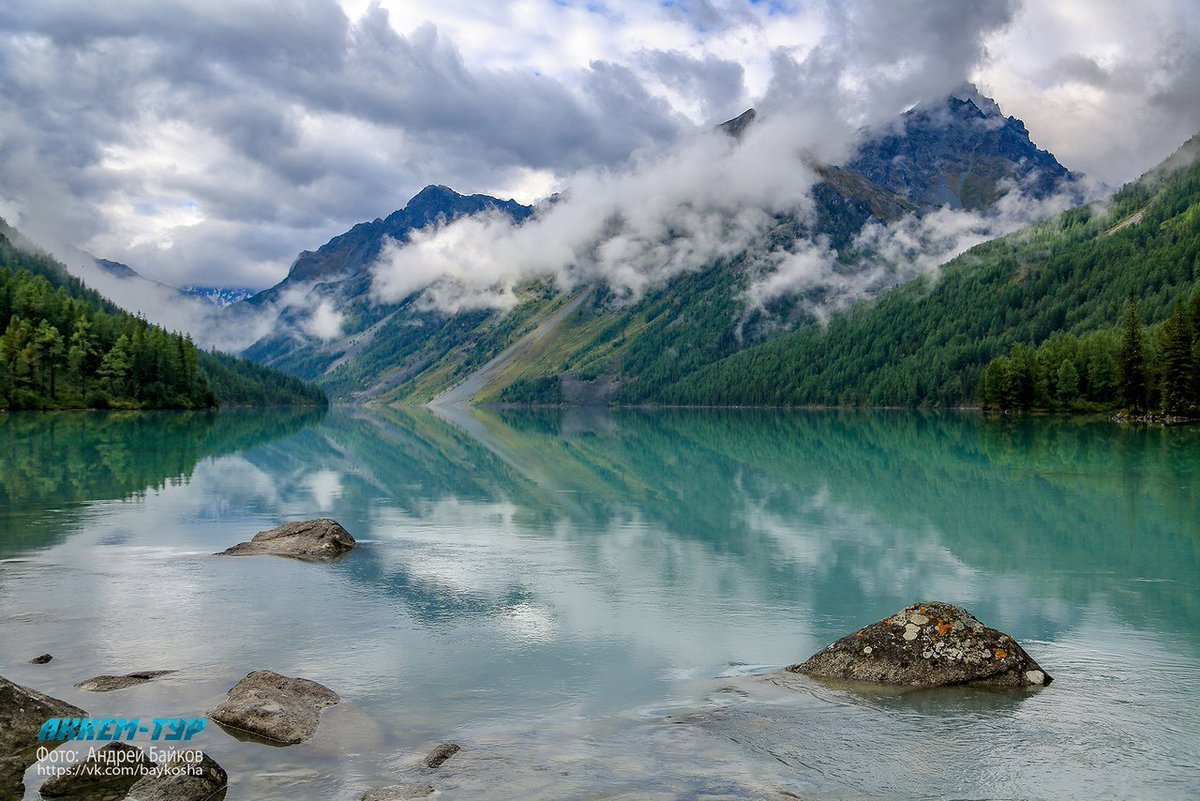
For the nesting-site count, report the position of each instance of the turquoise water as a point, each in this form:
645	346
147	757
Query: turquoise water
589	601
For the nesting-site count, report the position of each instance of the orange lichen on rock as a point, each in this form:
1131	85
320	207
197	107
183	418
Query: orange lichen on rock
1001	654
944	628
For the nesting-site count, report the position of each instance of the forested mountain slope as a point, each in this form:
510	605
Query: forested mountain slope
961	153
65	346
927	343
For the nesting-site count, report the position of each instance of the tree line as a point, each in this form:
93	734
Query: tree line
1132	367
57	352
63	346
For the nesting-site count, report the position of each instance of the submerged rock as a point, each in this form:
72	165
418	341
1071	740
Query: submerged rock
930	644
22	713
108	773
41	660
398	792
274	707
187	776
106	684
440	753
310	539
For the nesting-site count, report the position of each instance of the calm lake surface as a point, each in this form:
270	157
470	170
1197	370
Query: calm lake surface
587	601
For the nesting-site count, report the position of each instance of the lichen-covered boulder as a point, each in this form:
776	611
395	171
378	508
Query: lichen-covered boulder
308	539
274	707
930	644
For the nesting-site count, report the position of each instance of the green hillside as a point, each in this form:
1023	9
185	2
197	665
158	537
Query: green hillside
958	152
64	346
928	342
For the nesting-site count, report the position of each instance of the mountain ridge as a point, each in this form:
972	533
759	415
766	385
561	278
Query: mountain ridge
978	153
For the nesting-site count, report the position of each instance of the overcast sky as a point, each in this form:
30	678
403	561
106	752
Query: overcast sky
208	141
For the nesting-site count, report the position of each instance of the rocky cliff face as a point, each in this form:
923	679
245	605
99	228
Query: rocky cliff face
959	153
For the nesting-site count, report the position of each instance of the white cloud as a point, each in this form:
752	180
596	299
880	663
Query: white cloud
325	322
207	143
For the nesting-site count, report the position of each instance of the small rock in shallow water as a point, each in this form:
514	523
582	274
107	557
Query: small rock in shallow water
41	660
398	792
310	539
277	708
440	754
950	647
106	684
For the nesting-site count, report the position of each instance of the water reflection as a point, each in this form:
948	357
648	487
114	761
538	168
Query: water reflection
528	580
57	459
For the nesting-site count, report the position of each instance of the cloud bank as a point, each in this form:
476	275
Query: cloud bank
206	143
711	198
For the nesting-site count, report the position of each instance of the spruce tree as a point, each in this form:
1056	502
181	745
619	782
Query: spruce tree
1131	364
1176	357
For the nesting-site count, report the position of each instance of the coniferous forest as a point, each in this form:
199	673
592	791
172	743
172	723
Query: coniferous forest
1038	319
64	346
1131	367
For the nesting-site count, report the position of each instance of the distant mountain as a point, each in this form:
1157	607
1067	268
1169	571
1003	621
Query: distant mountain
219	296
962	153
381	344
959	153
119	270
352	252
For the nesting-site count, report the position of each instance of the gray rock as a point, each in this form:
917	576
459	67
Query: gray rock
275	707
930	644
22	713
398	792
440	754
106	684
93	777
310	539
184	777
41	660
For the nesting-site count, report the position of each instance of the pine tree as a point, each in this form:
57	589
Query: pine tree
1131	364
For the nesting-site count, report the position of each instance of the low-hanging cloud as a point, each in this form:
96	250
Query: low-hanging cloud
631	229
710	197
885	255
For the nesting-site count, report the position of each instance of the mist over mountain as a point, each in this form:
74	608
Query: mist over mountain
219	296
405	306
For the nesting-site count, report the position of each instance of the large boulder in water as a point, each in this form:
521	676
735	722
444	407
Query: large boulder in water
929	644
308	539
22	713
274	707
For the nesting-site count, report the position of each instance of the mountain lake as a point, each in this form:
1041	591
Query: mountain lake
589	601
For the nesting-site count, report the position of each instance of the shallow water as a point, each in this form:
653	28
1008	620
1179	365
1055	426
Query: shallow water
589	601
